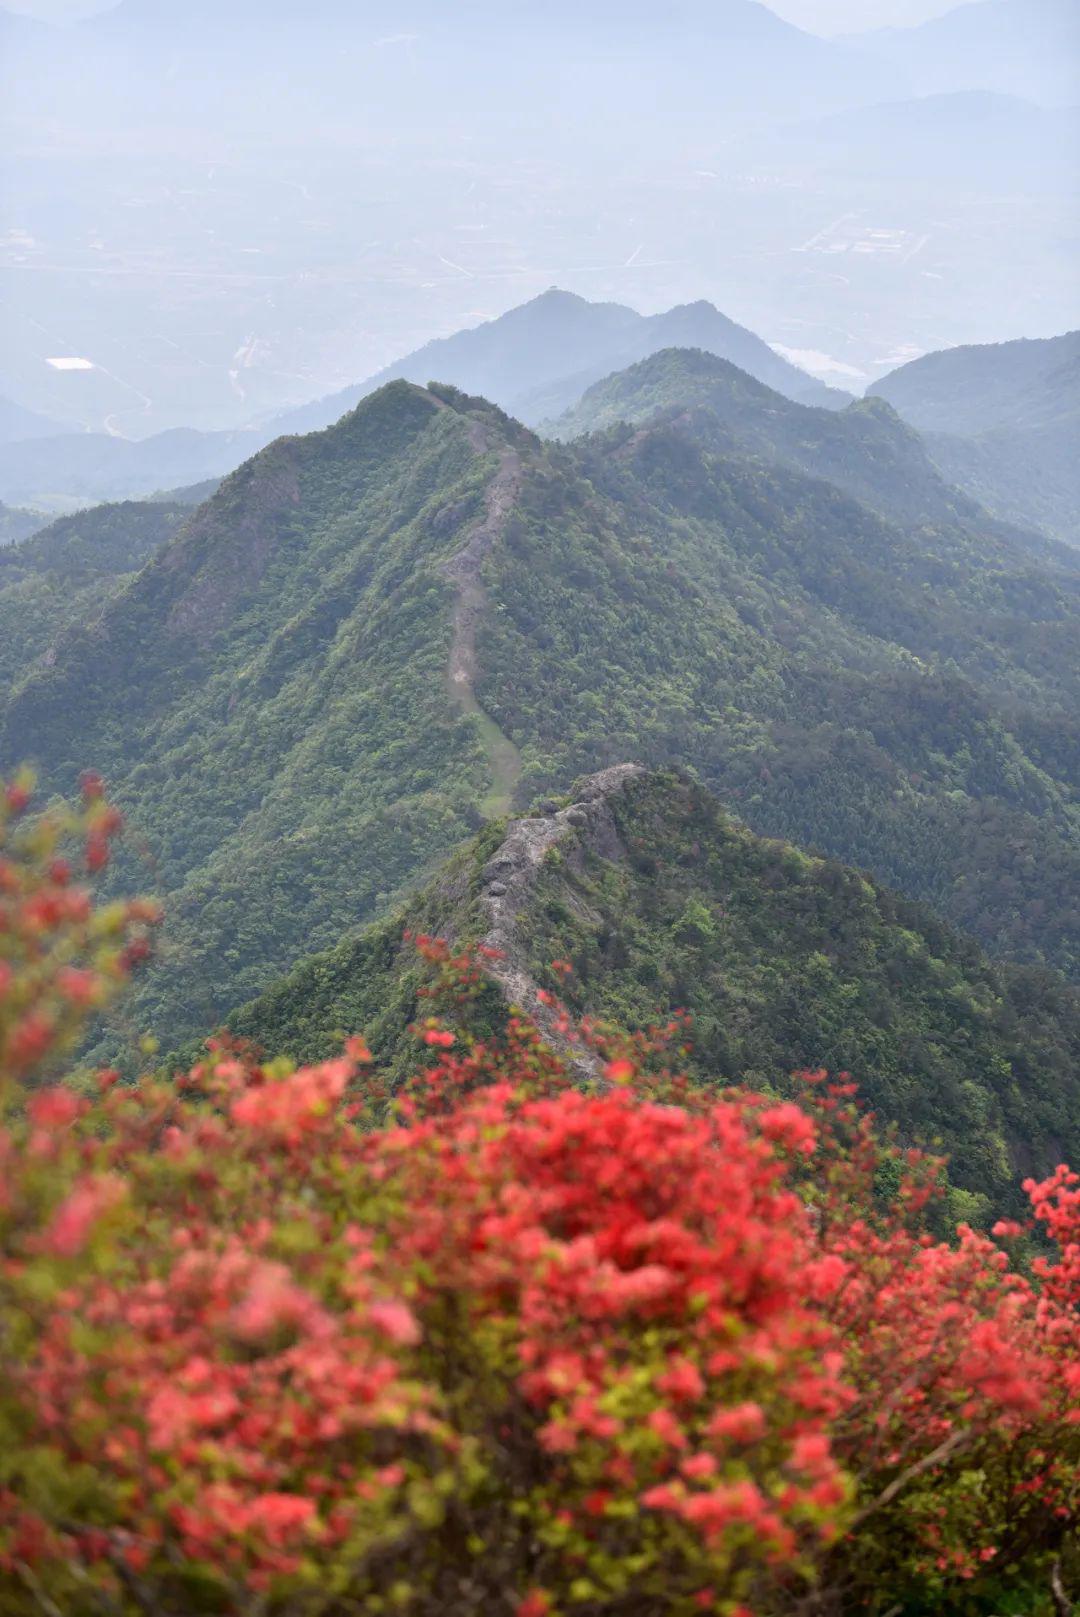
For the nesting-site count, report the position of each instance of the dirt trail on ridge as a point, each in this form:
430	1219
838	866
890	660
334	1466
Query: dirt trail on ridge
465	569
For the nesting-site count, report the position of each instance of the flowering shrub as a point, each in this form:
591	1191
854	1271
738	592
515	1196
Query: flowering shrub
60	957
523	1348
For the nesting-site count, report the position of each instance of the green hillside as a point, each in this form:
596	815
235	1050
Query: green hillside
866	449
270	697
64	573
1003	422
660	900
16	524
373	638
975	388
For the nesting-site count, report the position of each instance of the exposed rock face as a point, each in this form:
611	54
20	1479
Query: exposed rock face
510	875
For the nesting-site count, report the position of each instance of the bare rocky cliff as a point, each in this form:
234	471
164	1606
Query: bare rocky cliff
510	877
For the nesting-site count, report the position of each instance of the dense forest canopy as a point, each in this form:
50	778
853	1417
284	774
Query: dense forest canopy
654	901
895	691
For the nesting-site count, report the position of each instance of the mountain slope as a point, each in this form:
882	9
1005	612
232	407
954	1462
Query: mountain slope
290	743
535	360
865	449
18	424
63	574
372	638
841	679
16	524
1025	385
1002	420
660	901
99	466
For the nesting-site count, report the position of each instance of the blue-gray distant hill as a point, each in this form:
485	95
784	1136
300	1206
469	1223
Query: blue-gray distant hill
1002	420
96	466
536	360
17	423
1019	47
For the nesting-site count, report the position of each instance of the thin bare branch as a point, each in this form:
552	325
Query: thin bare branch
1062	1604
938	1456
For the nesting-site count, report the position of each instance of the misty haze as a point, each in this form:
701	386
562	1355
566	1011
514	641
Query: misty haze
219	220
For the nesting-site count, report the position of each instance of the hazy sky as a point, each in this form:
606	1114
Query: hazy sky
821	16
835	16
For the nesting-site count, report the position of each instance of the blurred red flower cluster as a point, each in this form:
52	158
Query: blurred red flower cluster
628	1347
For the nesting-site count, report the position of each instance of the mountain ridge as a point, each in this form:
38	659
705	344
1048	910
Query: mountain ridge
1022	47
657	900
1001	420
863	448
295	750
539	355
557	317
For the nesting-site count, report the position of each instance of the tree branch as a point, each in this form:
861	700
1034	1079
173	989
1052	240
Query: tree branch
943	1452
1062	1604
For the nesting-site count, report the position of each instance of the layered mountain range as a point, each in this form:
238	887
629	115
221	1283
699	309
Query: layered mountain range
999	421
535	361
346	179
1019	47
373	638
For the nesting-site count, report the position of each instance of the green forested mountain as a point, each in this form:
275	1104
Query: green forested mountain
973	389
373	638
270	697
660	901
64	573
1002	421
865	449
16	524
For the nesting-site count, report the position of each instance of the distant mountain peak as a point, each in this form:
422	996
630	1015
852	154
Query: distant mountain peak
556	295
536	359
698	306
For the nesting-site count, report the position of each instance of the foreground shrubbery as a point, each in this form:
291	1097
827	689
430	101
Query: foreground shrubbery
272	1345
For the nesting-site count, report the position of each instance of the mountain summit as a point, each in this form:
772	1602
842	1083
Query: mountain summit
535	361
538	358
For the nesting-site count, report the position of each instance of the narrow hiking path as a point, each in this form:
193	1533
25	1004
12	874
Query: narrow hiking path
504	759
510	878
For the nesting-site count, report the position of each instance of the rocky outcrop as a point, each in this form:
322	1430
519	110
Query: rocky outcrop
509	879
